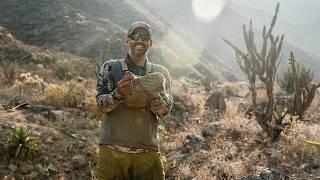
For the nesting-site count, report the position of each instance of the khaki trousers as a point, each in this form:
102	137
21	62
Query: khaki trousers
113	164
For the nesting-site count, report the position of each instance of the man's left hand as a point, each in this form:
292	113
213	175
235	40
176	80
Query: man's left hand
153	96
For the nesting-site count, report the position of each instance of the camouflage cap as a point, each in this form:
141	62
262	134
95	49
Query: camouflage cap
139	24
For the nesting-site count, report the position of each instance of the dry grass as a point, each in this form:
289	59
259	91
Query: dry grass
240	146
295	150
68	95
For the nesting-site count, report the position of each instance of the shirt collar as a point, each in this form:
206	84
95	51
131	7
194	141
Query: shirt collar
130	63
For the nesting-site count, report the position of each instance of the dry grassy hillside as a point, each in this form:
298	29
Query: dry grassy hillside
196	141
49	123
96	29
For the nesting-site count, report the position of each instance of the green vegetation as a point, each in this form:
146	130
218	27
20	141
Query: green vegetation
19	144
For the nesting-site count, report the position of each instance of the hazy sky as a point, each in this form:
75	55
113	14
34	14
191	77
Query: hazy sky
292	10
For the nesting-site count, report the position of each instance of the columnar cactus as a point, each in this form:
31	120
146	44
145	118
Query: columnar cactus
263	64
303	89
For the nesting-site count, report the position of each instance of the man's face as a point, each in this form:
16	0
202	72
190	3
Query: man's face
139	43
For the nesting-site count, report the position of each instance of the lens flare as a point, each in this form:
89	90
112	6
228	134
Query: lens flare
207	10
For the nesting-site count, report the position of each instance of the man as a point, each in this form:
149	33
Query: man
129	147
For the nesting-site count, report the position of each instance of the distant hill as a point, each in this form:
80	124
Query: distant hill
302	33
96	29
229	25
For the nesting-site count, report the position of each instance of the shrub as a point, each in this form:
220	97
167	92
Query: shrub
208	82
91	105
9	70
286	82
61	71
19	145
69	95
2	147
207	78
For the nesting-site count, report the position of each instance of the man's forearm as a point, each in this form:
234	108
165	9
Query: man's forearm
108	102
161	106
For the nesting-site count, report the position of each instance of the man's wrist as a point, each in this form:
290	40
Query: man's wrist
153	96
116	95
156	101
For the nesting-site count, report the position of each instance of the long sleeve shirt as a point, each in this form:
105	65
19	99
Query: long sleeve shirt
108	98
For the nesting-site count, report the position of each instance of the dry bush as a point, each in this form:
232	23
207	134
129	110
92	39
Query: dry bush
203	173
28	79
26	87
222	170
61	72
185	84
54	134
185	171
68	95
315	106
232	91
39	119
209	82
231	108
2	79
91	105
10	69
83	123
72	94
294	149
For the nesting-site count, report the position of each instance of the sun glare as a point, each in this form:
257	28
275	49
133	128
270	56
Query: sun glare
207	10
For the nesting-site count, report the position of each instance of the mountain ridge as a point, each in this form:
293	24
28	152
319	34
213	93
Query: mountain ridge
96	29
229	26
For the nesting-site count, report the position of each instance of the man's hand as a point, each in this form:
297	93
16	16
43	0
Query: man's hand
153	96
123	85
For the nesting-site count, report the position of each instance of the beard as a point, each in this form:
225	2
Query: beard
138	49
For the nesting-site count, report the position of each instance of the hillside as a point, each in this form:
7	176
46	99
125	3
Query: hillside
49	54
228	25
96	29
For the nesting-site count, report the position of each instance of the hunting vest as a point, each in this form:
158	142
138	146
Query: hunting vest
129	125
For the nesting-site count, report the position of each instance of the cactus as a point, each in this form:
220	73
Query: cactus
262	64
303	88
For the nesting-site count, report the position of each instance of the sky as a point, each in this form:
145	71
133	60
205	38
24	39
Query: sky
291	10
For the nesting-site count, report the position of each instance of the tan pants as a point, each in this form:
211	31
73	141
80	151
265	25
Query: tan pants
113	164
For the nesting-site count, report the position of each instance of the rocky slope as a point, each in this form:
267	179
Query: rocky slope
96	29
195	142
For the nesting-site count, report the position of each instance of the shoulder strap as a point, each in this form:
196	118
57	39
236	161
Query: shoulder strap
123	65
116	70
149	66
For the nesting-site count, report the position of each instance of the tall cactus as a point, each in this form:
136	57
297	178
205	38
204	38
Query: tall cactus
304	90
246	63
263	64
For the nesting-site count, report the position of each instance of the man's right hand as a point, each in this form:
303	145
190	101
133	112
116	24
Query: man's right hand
123	85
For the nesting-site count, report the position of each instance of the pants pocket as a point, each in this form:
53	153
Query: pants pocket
147	166
105	169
